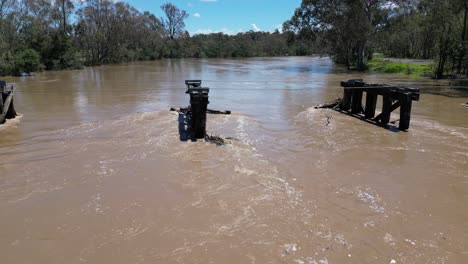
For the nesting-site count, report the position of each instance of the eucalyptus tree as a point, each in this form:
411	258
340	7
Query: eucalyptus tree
173	21
345	26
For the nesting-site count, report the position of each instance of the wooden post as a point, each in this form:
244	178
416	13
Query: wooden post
11	112
199	105
405	111
371	104
386	110
346	104
6	108
356	102
198	108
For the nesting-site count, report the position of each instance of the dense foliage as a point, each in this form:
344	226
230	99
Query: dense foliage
66	34
353	30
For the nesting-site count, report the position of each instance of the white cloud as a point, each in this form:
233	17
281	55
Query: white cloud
279	28
222	30
203	31
255	28
189	5
197	15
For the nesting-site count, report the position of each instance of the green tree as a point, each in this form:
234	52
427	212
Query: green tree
345	26
174	21
27	61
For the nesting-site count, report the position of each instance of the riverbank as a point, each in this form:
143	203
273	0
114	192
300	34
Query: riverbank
412	67
417	68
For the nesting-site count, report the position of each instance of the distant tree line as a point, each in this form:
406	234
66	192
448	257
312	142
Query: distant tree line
353	30
67	34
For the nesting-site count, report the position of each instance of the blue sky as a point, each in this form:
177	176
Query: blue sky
228	16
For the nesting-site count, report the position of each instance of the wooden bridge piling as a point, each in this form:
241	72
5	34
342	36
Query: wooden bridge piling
371	105
386	110
405	111
198	106
392	98
346	104
7	108
356	101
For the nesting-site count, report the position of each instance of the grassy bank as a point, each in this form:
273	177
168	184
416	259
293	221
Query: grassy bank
380	64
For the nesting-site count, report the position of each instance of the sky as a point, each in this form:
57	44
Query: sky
227	16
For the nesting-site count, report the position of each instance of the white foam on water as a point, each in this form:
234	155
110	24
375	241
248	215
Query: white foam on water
311	260
11	123
290	248
371	200
389	240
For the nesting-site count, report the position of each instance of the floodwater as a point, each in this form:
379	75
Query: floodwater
94	171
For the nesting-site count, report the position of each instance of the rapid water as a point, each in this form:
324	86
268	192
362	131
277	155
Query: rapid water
94	171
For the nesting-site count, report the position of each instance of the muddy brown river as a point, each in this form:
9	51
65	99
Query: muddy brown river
94	171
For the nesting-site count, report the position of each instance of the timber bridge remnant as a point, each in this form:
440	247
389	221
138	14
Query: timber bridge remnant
196	112
198	107
7	108
393	97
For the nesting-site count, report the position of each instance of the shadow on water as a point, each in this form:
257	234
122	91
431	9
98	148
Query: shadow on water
184	127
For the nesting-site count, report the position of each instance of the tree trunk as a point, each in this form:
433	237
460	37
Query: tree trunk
443	54
361	56
463	36
64	17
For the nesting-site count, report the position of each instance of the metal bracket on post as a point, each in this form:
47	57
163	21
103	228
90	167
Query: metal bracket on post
198	107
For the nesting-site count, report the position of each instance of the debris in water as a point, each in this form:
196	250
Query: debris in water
217	112
334	104
392	261
185	110
218	140
328	120
290	248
